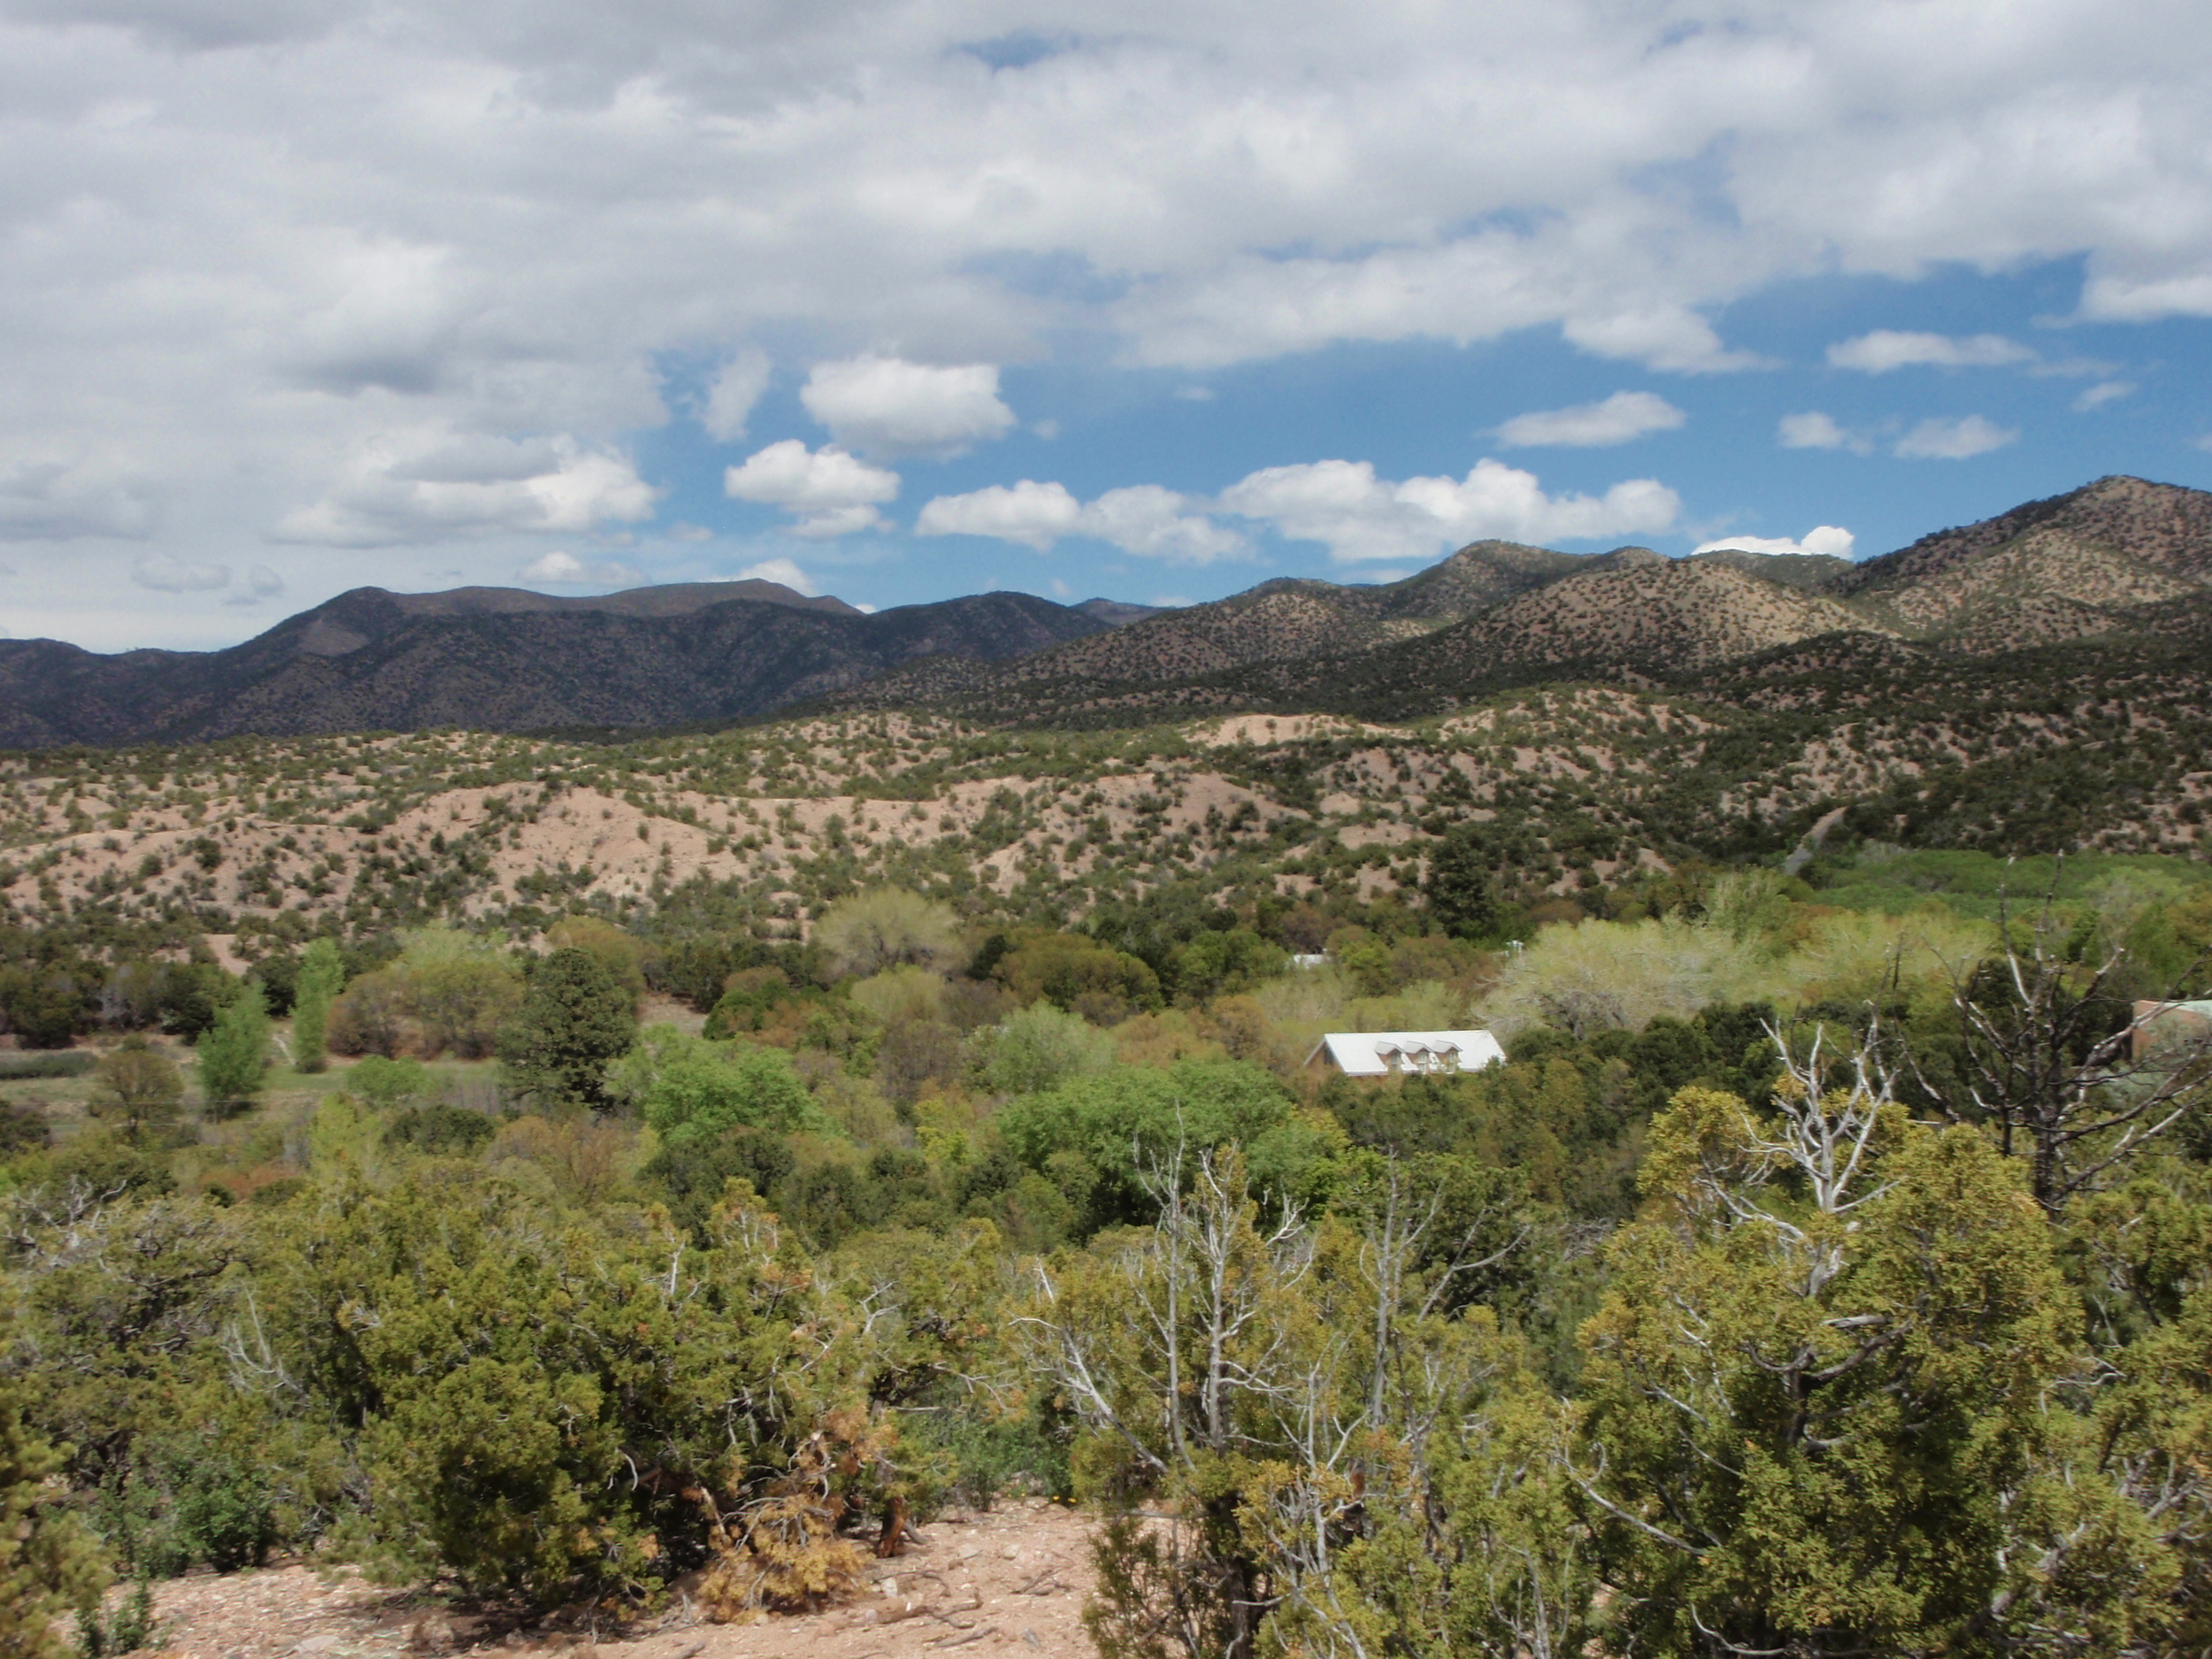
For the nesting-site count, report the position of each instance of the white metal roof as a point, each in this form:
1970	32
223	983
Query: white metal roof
1380	1053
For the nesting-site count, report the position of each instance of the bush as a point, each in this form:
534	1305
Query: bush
888	927
1040	1048
46	1563
440	1131
1073	972
688	1088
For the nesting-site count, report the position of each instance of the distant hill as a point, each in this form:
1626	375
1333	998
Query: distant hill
2119	560
501	659
2116	559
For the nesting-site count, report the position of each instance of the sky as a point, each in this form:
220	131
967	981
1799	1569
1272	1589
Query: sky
902	299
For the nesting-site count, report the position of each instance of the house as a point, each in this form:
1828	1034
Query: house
2166	1024
1405	1053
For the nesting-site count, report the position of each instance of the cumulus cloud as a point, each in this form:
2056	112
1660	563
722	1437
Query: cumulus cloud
2104	392
1359	517
785	571
166	575
1144	520
1936	439
436	486
566	570
1887	349
1831	540
1811	430
234	269
885	407
1624	416
828	492
737	387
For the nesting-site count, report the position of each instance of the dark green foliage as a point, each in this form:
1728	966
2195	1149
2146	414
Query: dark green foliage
22	1129
1462	887
74	1063
46	1006
575	1018
186	1501
693	1175
1097	1139
440	1131
48	1565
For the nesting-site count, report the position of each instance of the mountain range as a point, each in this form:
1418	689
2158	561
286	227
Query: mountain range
2119	560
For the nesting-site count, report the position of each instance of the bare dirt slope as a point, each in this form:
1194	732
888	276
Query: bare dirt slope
1012	1580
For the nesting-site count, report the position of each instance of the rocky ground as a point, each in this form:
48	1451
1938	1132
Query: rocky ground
1009	1580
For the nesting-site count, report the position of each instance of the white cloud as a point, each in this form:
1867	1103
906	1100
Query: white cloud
564	570
2104	392
828	492
1938	440
1144	520
883	406
1887	349
231	270
1831	540
1660	337
783	570
1359	517
1624	416
1035	515
434	485
166	575
1811	430
1194	393
738	386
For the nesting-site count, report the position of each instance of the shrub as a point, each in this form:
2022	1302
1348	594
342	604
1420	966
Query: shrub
688	1088
888	927
48	1564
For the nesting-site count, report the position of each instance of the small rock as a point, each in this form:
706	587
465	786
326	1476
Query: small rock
323	1643
890	1586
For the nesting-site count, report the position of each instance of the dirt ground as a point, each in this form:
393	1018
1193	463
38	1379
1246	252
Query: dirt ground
1011	1580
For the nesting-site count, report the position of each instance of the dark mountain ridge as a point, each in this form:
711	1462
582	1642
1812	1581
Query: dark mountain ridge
2119	558
370	660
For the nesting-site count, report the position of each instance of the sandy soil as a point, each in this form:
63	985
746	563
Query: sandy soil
1011	1580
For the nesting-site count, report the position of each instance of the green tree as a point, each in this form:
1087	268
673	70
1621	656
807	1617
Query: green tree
1462	893
1818	1414
690	1089
235	1053
322	976
48	1564
1041	1047
137	1090
575	1018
